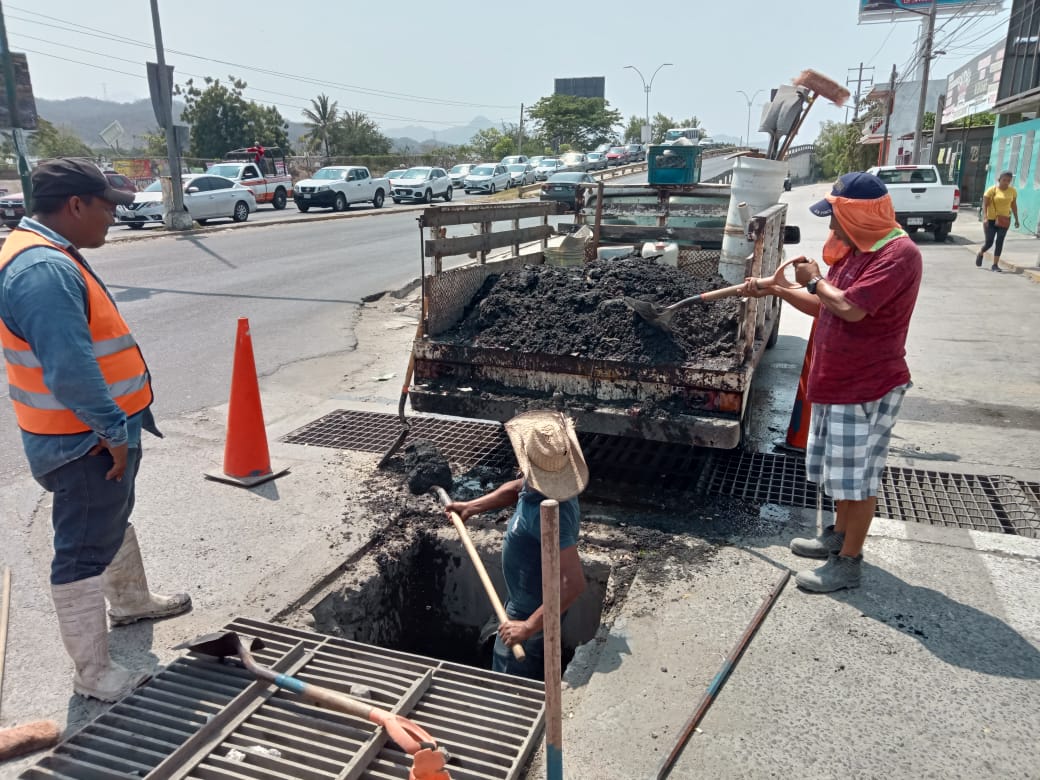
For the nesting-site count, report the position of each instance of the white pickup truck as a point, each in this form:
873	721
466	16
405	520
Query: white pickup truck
337	187
266	174
920	199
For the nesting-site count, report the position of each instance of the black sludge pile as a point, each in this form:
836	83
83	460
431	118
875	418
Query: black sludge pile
579	312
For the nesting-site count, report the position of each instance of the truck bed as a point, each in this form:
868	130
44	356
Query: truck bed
698	403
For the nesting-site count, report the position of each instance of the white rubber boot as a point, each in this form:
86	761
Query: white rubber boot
126	588
84	632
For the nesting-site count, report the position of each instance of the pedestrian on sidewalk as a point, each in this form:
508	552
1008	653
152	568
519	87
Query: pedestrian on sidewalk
552	466
858	375
82	394
999	204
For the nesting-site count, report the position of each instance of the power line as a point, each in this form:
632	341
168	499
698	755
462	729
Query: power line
372	91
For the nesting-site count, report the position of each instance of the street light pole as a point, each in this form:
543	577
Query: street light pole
926	57
750	101
647	87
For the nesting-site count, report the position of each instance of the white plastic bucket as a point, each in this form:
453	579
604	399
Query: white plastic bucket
758	183
667	253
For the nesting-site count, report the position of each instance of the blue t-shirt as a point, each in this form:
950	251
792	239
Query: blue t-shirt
522	550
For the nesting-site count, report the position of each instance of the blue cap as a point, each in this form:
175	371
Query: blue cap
858	186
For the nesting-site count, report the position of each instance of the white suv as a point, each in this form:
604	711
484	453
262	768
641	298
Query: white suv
421	183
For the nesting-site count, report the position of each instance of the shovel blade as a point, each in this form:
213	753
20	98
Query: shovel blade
652	313
220	644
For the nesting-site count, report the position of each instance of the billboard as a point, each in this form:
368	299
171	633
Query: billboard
23	100
591	86
973	87
898	10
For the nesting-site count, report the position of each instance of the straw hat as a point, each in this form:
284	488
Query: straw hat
546	446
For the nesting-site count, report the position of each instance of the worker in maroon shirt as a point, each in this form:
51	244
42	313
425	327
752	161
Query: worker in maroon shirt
859	373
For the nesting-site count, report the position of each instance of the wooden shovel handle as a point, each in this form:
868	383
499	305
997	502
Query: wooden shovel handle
496	603
724	292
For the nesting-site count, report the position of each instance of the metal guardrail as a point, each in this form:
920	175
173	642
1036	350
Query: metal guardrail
607	173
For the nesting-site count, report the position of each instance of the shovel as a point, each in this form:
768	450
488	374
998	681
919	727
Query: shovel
661	316
409	736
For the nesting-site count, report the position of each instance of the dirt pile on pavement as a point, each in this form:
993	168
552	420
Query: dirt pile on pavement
426	467
579	312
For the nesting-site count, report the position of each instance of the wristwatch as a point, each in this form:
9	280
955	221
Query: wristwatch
811	286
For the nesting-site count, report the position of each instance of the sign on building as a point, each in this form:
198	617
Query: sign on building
591	86
973	88
24	100
898	10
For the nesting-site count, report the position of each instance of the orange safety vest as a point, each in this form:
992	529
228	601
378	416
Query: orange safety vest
118	355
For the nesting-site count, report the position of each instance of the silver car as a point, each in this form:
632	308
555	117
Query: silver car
487	177
459	173
573	162
520	174
546	168
596	161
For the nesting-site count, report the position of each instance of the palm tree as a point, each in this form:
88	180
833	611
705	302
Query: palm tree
321	119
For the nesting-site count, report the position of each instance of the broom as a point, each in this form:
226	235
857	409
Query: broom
818	85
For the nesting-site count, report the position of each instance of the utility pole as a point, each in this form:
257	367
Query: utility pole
520	140
12	110
178	218
859	82
926	62
888	116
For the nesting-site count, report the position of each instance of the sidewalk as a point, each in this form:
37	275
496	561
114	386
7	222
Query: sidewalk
1021	249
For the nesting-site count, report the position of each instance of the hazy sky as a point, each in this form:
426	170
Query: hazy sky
442	63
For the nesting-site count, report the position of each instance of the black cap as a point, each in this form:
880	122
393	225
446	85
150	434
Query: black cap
65	176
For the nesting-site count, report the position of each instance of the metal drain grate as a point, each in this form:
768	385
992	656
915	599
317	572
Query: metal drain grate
464	442
184	722
975	501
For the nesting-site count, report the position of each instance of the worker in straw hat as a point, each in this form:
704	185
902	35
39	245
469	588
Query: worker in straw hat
552	466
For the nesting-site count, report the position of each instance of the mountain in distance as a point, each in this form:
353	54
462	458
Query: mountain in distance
87	117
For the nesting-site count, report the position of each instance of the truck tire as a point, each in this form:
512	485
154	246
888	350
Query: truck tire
397	201
377	201
303	207
340	203
279	199
942	230
447	195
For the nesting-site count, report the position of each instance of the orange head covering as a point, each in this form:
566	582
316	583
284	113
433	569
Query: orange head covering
861	204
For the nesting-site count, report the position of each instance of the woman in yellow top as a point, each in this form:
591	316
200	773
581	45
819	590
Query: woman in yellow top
999	204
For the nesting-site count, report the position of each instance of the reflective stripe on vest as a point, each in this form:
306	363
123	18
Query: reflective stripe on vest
116	351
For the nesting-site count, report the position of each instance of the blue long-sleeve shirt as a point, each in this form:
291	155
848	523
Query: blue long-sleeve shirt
43	300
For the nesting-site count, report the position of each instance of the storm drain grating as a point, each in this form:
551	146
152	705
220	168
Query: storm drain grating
204	719
465	442
975	501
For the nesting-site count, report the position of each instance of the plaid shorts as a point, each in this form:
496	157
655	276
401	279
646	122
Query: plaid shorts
848	444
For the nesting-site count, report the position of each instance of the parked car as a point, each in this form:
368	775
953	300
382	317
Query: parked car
336	187
205	196
513	159
596	161
520	174
618	155
421	183
535	161
566	188
487	177
394	173
459	173
636	152
12	209
266	173
546	168
574	161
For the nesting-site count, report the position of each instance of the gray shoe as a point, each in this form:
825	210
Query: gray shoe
823	545
840	571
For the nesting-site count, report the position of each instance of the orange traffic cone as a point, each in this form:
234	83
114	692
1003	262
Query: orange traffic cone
247	461
798	428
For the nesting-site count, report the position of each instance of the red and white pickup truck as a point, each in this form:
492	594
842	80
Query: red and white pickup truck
268	177
920	198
